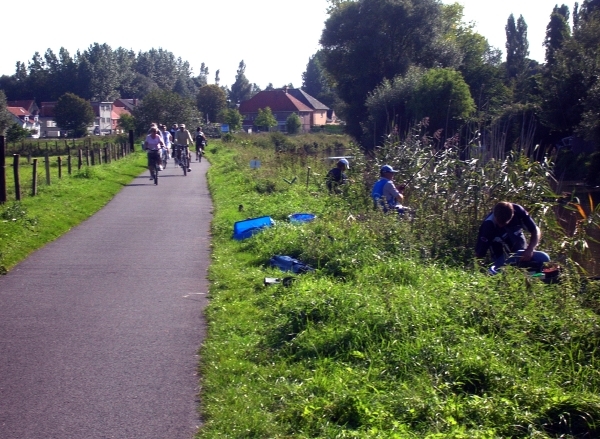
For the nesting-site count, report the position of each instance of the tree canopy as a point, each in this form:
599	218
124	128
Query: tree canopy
211	101
161	106
5	116
367	41
241	90
73	113
265	118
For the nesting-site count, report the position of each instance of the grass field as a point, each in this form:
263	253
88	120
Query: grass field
31	223
383	339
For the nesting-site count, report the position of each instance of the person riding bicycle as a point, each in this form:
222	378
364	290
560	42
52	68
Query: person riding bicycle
160	134
153	145
168	139
201	141
183	140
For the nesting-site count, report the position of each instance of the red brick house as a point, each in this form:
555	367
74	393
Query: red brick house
282	103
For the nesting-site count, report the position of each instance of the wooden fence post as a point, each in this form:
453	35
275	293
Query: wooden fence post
3	193
87	157
92	155
59	167
80	159
69	164
16	158
131	141
47	166
34	178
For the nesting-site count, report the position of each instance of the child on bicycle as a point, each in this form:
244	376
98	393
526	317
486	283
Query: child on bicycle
201	143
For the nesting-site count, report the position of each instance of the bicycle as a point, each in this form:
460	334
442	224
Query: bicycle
153	157
183	158
200	152
165	157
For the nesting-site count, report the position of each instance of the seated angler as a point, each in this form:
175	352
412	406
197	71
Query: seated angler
502	233
337	177
385	193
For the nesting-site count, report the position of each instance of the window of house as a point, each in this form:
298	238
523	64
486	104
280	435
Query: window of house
50	124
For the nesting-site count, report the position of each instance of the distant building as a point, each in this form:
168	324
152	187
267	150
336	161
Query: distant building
103	123
47	123
26	120
283	103
42	119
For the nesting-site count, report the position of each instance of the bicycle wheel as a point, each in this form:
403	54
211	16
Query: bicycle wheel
184	164
155	174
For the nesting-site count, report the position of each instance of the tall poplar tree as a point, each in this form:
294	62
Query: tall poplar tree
241	90
517	46
557	32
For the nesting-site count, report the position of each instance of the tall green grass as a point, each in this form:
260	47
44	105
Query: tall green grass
398	333
35	221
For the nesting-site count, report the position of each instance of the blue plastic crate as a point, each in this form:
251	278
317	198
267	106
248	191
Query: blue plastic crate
248	227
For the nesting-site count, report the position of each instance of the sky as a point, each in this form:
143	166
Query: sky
274	38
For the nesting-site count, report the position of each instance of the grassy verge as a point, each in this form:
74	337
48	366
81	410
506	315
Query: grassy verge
28	225
381	341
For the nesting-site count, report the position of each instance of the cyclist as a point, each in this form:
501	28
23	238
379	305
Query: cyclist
160	134
153	145
183	140
168	139
201	142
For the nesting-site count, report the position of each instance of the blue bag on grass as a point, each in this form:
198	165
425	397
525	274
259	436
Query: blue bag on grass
287	263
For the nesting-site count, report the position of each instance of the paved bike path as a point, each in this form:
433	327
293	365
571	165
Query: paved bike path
99	330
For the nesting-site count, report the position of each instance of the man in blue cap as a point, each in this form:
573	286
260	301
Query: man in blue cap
336	176
385	193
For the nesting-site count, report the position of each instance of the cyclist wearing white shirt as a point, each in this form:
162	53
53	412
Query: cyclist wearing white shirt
153	145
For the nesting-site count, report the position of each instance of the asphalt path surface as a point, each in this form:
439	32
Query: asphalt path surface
100	329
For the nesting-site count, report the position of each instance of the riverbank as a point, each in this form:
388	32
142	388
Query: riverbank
383	339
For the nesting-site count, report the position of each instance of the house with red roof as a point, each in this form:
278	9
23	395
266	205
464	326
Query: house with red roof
320	110
116	114
28	104
26	120
282	103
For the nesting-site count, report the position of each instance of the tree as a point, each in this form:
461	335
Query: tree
14	133
443	96
126	122
517	46
366	41
557	32
100	74
316	83
232	117
5	116
241	90
211	101
388	105
265	118
167	107
570	91
73	113
293	123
